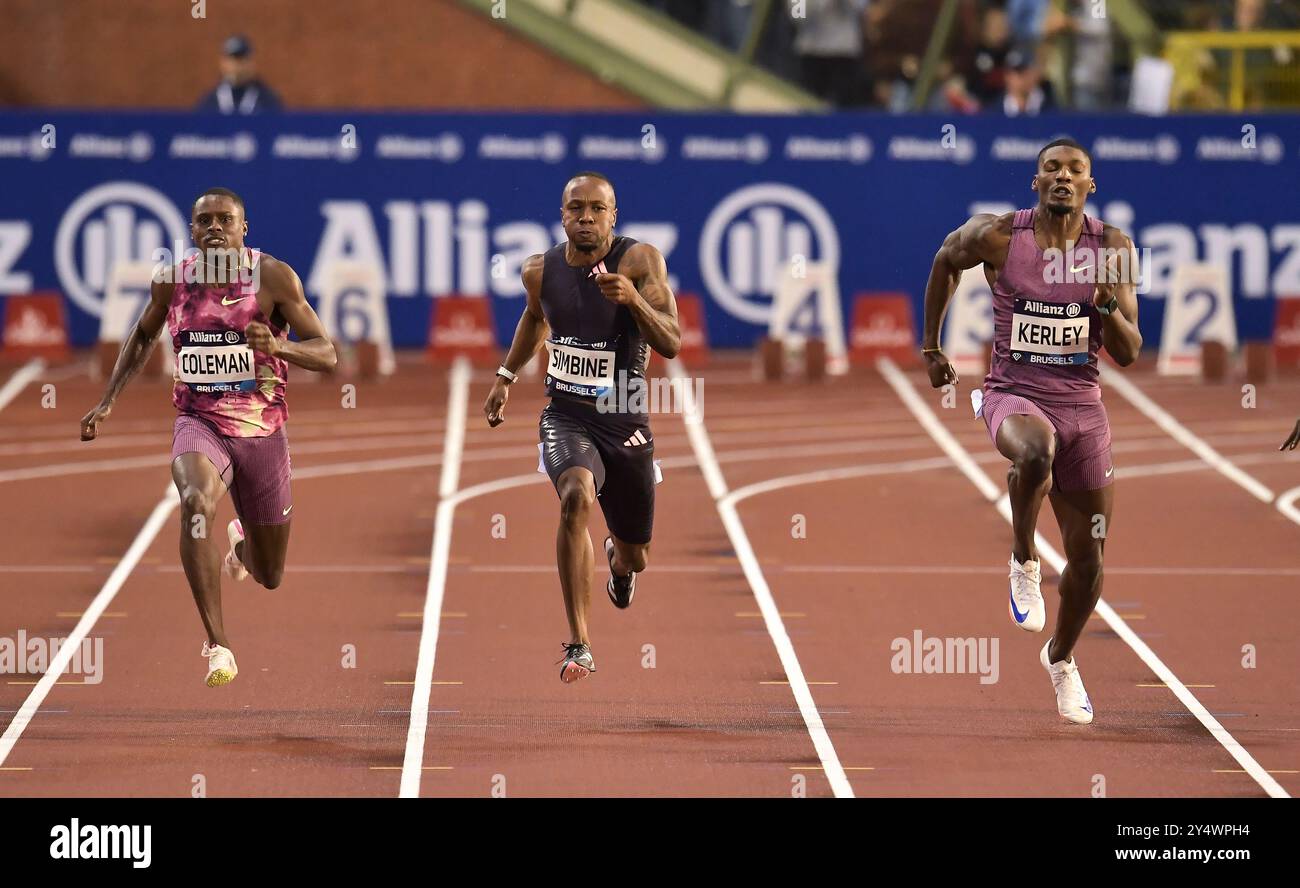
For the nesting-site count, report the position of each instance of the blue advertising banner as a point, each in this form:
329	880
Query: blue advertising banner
454	203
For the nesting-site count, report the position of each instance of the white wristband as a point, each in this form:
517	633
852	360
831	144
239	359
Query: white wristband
506	374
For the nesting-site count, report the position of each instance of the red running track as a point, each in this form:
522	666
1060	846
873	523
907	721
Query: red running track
862	530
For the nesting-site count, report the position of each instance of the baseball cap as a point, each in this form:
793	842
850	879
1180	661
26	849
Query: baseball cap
237	46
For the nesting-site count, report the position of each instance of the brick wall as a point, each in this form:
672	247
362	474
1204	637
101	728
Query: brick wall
397	54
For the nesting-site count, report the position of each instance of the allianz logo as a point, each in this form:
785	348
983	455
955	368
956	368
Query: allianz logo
548	147
32	146
1016	148
299	147
612	148
855	148
752	148
137	146
447	147
961	149
1268	148
241	147
1163	148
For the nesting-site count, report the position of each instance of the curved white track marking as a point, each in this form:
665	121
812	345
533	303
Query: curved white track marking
88	467
20	380
145	538
921	410
1286	504
97	606
761	487
453	443
708	462
1183	435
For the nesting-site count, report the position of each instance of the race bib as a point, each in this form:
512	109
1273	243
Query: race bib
215	362
582	369
1049	332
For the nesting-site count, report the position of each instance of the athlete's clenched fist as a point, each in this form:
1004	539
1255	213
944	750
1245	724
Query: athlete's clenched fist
261	339
494	408
617	288
90	422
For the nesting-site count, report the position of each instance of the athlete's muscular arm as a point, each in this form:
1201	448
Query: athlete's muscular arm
644	290
314	350
135	351
529	333
984	238
1119	329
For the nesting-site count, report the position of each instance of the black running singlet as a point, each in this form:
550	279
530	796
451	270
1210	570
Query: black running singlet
593	342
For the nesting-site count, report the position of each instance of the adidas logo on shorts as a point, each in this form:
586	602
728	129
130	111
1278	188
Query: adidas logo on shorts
636	440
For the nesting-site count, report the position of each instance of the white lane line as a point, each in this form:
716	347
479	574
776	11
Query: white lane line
708	462
926	416
1183	435
58	470
19	381
453	445
142	541
1286	504
915	465
412	761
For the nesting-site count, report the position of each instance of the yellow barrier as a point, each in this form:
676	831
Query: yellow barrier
1234	70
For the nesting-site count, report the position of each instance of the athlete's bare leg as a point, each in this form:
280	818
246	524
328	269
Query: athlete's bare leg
263	551
573	552
1030	443
201	488
629	557
1084	517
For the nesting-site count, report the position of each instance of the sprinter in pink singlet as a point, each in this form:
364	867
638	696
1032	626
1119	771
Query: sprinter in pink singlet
1063	287
228	310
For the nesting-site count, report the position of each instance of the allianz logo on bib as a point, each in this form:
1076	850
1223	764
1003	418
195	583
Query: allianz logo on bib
78	841
202	337
1070	309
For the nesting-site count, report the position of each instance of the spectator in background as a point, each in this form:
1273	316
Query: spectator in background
898	33
1026	95
1264	15
728	22
240	92
1027	18
986	77
1090	75
829	45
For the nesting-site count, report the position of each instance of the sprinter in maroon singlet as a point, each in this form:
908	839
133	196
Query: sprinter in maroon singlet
1063	287
228	310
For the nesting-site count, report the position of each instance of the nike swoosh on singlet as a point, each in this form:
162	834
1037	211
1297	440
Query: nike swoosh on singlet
233	301
1079	269
287	511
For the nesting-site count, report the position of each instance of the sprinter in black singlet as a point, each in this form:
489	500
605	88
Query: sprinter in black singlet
605	300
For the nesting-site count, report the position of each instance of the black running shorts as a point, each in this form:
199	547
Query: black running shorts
618	450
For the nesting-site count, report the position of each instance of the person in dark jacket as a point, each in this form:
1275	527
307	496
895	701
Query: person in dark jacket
240	91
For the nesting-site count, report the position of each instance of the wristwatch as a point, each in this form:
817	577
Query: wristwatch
1109	306
506	374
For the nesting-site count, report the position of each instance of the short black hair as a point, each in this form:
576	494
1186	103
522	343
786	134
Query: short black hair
1063	142
221	192
590	174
